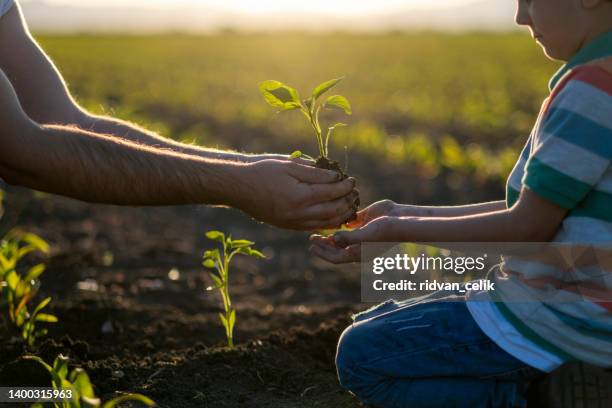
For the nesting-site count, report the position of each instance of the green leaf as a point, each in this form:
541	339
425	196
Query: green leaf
34	272
93	402
240	243
338	102
129	397
60	366
82	384
217	280
295	154
23	251
20	318
36	241
256	254
212	254
280	95
209	263
216	236
324	87
12	279
45	317
39	361
251	252
4	263
23	288
223	320
232	320
41	305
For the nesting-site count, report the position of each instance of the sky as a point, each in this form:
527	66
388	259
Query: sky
331	7
266	15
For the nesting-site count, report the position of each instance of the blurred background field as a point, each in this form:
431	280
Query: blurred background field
439	118
449	110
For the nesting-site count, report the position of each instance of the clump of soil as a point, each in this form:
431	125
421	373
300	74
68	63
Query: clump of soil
327	164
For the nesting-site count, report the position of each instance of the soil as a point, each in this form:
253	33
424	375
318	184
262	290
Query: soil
130	292
325	163
132	328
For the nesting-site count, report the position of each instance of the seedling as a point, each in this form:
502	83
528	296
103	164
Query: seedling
286	98
75	388
220	262
19	289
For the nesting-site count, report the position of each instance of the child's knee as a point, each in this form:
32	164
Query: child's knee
376	310
344	356
351	354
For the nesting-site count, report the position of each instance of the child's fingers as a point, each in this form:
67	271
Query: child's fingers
360	220
345	238
374	231
337	255
322	241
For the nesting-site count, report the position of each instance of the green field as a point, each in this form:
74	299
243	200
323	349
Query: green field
464	103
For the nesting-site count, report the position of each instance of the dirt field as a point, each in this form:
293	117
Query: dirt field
134	329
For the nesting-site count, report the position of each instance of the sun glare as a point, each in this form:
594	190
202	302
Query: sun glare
330	7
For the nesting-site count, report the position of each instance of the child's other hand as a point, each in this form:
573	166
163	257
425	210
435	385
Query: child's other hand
373	211
327	249
345	246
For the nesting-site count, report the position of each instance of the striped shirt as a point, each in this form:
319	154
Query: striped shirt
566	160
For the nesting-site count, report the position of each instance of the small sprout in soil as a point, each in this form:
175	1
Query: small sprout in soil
78	392
18	289
220	262
286	98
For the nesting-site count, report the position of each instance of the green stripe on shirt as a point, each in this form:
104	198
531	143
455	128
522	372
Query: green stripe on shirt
528	332
542	179
597	204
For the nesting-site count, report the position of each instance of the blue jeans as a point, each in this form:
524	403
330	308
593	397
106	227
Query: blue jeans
428	352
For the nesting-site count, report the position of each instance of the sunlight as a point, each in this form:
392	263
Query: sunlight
337	7
328	7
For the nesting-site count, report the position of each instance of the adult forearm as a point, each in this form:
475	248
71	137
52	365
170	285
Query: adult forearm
450	211
134	133
98	168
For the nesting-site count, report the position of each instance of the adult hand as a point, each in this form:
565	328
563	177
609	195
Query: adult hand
295	196
345	246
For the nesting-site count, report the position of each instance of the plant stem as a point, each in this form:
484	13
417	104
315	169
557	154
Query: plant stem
314	123
226	296
230	330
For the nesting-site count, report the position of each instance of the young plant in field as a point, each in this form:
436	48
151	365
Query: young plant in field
19	289
75	388
286	98
220	262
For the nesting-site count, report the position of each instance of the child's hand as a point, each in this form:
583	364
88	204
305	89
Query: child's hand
345	246
373	211
326	248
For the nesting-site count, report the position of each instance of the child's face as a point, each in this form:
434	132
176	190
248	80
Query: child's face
555	24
